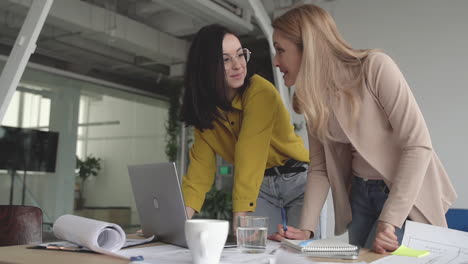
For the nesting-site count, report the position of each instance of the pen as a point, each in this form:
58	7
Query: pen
137	260
283	216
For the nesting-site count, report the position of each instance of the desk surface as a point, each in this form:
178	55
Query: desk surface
20	254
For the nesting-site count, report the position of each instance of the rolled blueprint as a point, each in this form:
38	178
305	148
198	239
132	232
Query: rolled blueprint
96	235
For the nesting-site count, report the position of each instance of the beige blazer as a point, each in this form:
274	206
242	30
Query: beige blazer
392	136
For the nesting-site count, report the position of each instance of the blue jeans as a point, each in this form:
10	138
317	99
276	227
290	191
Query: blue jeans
283	190
367	200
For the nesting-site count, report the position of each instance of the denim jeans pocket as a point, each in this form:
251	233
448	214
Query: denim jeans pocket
378	187
290	176
298	165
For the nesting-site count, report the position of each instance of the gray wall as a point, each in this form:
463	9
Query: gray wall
429	41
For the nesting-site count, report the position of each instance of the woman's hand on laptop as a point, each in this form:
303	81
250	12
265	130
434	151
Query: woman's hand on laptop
190	212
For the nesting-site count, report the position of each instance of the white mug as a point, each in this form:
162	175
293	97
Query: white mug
206	239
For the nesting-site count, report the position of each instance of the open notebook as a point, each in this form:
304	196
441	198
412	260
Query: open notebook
326	248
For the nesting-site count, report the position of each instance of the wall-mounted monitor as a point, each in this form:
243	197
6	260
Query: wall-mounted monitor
28	149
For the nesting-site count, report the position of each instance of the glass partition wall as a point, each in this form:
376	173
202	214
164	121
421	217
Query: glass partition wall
94	119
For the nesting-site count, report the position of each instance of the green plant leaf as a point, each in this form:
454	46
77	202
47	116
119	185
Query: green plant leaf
217	205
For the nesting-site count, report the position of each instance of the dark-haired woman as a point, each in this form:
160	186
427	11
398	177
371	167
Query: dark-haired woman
241	118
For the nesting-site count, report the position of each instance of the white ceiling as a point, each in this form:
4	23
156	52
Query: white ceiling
131	42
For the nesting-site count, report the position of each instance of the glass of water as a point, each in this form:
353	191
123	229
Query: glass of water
252	233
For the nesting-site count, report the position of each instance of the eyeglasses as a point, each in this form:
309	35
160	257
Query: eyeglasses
242	57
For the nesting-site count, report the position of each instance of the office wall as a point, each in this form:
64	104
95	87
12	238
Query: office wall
135	134
52	192
137	138
428	39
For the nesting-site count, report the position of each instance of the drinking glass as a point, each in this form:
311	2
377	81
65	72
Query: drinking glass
252	233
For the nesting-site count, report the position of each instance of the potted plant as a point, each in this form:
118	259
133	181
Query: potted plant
217	205
90	166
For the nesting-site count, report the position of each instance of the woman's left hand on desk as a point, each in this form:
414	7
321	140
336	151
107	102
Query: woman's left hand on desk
385	238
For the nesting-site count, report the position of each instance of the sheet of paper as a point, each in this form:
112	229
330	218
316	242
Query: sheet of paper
234	255
445	245
130	242
168	254
69	246
164	254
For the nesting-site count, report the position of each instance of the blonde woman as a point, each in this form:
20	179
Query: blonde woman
369	142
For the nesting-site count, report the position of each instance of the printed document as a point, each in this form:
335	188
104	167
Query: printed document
84	234
445	245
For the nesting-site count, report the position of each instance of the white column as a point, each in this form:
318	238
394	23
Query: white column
64	112
264	22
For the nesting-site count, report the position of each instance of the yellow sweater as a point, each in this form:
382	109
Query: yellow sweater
257	135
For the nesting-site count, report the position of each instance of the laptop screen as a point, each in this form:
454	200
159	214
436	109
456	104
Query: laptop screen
159	201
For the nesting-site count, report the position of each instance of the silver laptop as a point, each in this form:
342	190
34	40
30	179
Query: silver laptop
159	201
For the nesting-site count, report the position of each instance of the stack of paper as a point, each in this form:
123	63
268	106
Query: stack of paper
84	234
444	245
96	235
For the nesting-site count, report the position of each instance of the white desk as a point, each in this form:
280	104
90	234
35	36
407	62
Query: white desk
20	254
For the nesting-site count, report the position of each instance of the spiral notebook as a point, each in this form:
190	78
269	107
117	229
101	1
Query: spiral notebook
326	248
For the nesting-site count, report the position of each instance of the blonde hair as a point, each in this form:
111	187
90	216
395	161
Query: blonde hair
329	66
